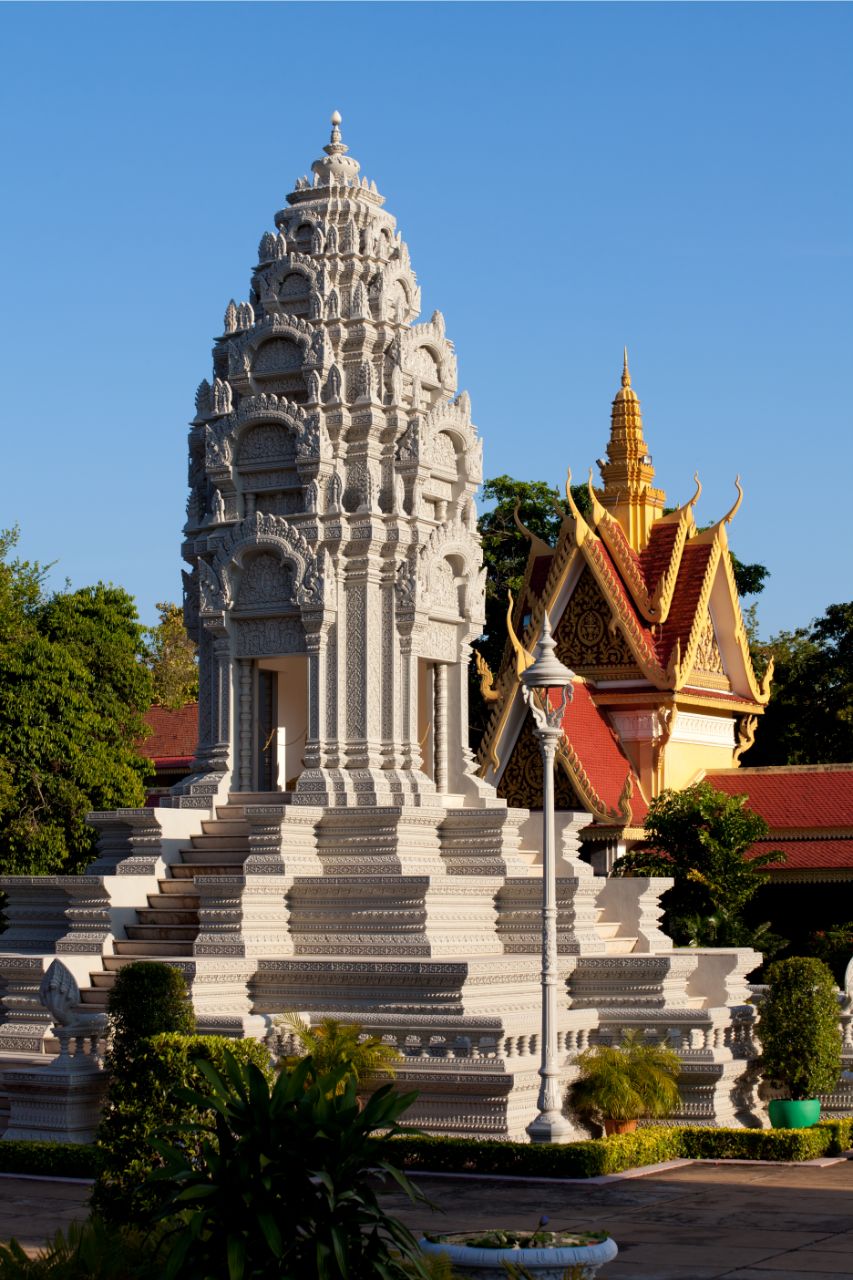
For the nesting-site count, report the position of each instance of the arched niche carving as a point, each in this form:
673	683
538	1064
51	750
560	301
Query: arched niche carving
273	534
264	581
264	443
277	355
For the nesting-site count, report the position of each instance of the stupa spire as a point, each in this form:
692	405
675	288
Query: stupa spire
627	471
336	168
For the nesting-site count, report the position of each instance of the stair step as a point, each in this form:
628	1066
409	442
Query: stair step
619	946
102	979
225	827
167	916
173	901
176	885
184	872
153	950
162	933
232	857
217	844
94	997
237	799
607	928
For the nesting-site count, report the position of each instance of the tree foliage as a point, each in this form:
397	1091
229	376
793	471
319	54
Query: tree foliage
809	719
171	658
332	1044
700	838
798	1028
73	692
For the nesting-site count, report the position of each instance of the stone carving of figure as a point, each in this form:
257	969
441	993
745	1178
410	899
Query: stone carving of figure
396	385
332	305
312	495
312	381
230	321
266	249
245	315
280	245
348	240
399	495
357	308
333	384
416	392
59	993
364	383
317	240
332	240
221	396
335	492
315	305
217	507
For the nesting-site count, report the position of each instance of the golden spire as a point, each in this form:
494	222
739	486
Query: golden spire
627	470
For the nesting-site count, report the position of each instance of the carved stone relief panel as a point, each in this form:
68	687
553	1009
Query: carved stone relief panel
586	637
521	783
265	580
444	453
279	355
281	504
269	442
439	642
267	637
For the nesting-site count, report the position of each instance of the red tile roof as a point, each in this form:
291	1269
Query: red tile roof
685	599
173	735
805	798
598	749
656	556
809	855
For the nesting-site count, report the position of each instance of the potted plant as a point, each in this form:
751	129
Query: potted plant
800	1039
621	1084
524	1255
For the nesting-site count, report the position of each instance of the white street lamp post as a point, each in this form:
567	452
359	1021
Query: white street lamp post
548	673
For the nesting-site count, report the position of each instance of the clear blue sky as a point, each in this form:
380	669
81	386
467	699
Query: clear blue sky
569	178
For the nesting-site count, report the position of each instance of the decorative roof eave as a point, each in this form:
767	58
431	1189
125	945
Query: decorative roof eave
590	547
665	589
759	690
680	666
571	764
611	534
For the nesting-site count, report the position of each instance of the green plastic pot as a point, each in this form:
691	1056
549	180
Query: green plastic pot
785	1113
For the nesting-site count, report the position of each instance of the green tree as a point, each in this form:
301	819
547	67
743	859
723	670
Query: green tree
809	719
334	1044
171	658
73	692
700	837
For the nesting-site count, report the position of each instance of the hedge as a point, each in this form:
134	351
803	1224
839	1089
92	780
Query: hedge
572	1160
49	1159
622	1151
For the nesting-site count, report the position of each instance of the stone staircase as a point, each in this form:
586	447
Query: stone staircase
167	928
615	944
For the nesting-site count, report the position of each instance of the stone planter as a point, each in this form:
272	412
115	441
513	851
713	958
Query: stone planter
539	1262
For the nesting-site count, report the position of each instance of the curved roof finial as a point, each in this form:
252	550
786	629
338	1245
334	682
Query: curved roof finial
698	493
626	375
730	515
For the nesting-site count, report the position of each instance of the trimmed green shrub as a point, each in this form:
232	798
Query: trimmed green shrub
142	1098
279	1183
798	1028
622	1151
49	1159
146	999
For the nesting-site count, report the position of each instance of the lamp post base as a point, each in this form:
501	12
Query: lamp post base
550	1126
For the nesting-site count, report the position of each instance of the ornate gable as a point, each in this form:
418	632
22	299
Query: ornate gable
521	783
588	637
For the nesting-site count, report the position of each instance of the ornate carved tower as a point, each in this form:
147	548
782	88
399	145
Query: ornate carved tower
336	577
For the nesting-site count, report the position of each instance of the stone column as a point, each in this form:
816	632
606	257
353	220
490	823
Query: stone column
221	704
245	667
315	644
439	733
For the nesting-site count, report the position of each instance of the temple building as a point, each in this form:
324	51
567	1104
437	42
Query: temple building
645	611
335	848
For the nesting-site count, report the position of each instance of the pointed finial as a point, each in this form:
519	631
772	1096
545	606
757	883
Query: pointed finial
335	146
626	376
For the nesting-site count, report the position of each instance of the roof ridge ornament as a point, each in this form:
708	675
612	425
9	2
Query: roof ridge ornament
626	373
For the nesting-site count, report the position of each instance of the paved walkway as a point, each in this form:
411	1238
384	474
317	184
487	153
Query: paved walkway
696	1222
